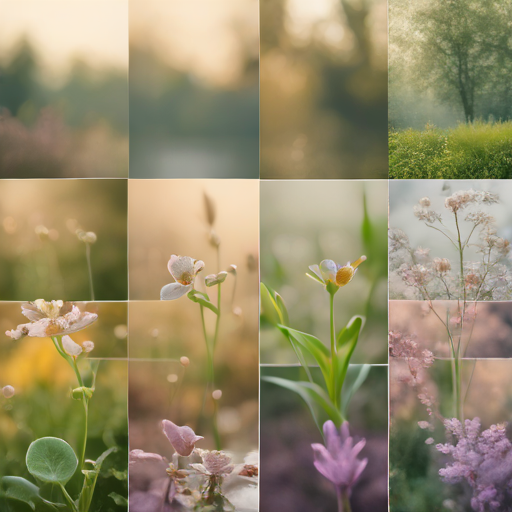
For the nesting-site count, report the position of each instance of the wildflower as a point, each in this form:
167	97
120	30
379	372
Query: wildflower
55	318
425	202
421	254
184	270
337	461
423	213
442	265
332	275
141	456
215	463
182	439
463	198
214	279
8	391
70	347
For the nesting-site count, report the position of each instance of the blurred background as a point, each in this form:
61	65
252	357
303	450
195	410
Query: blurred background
170	217
40	253
414	480
194	91
289	481
324	93
405	194
63	88
305	222
42	405
488	335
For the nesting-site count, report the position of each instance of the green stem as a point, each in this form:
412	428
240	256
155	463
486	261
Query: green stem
85	403
216	435
343	501
89	268
68	498
334	355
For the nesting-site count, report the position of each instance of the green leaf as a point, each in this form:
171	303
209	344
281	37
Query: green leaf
203	299
118	499
20	489
272	306
51	460
314	347
346	344
356	375
78	393
313	395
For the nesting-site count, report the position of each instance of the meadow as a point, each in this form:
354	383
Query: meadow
477	151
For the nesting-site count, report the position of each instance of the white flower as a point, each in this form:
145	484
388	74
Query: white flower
182	439
214	463
47	319
70	347
330	272
88	346
184	270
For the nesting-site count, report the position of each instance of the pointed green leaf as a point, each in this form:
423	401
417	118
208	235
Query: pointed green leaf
313	395
346	344
356	375
118	499
50	459
272	306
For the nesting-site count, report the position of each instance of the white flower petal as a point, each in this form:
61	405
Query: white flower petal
182	268
174	291
70	347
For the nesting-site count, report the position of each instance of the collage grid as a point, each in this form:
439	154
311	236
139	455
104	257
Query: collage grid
254	255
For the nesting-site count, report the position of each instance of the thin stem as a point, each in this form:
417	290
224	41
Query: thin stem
215	336
343	501
216	435
441	231
334	355
85	403
68	498
89	268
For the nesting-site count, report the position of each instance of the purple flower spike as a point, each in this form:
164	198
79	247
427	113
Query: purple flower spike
338	461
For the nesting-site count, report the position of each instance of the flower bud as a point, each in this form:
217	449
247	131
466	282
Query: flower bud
217	394
88	346
88	237
425	202
232	269
182	439
214	279
185	361
442	264
70	347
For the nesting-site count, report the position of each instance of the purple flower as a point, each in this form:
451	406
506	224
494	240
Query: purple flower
337	460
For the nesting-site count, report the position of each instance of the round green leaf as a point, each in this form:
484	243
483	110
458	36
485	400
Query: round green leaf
51	460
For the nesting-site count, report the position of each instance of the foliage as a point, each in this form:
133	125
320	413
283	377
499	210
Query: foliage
476	151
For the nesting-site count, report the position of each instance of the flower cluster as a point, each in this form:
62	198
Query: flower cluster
483	460
406	347
414	274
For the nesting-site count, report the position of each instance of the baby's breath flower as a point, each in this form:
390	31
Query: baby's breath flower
442	265
87	237
184	270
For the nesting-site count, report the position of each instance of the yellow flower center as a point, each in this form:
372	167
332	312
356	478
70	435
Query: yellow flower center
186	278
344	275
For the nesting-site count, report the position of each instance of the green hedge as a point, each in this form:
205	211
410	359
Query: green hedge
480	150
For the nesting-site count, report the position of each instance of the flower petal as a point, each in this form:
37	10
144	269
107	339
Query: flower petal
70	347
317	274
328	269
182	268
174	291
182	439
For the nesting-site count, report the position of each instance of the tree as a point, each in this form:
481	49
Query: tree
464	49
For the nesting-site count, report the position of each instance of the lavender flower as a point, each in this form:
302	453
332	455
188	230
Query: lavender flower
338	462
483	460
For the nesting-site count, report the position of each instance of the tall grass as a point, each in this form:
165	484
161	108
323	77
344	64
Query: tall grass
479	150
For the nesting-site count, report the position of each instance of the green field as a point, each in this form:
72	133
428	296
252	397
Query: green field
479	150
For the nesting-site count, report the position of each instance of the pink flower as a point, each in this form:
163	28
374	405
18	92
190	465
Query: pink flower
337	461
183	439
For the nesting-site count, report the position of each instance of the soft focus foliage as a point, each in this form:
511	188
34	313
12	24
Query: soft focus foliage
323	89
477	151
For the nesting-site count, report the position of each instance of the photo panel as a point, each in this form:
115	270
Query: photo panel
64	91
63	239
194	371
450	103
293	478
63	404
449	240
194	89
443	456
304	223
324	89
